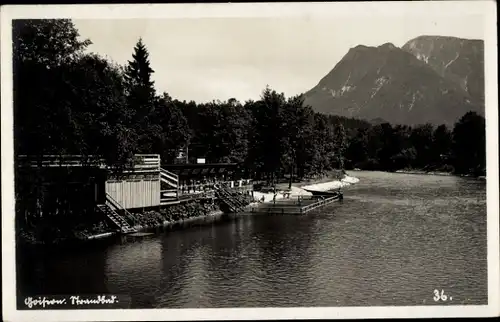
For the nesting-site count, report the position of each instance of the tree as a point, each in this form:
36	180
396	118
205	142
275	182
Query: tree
387	147
41	48
255	159
94	91
421	139
405	158
238	120
322	147
469	144
141	97
357	150
49	42
66	102
339	146
138	73
267	133
175	132
297	126
441	145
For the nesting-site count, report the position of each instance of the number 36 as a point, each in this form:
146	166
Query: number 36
440	296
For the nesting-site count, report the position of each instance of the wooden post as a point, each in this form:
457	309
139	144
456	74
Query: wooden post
93	181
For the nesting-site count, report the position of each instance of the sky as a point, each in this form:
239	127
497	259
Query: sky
205	59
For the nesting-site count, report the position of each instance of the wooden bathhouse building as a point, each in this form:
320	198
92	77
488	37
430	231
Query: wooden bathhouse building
90	184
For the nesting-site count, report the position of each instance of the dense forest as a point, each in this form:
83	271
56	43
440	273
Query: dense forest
67	101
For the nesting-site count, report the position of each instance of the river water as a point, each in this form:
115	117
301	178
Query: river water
393	241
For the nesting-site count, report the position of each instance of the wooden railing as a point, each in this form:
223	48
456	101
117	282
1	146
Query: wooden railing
140	162
233	202
210	186
110	201
318	204
60	160
147	162
169	178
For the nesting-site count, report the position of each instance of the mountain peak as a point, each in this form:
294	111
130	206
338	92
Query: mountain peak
457	59
360	47
403	85
387	45
440	38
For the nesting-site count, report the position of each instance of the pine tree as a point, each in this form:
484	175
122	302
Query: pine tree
138	72
141	98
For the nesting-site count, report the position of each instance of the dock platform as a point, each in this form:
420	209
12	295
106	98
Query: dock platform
140	234
293	207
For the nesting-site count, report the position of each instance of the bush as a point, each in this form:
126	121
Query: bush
447	168
370	164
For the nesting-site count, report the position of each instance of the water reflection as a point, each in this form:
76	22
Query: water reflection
227	261
284	245
180	262
134	266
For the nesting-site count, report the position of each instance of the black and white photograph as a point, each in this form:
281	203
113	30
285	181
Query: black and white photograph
250	161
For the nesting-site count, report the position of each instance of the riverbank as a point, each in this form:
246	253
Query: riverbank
189	213
440	173
425	172
197	212
434	169
431	173
53	233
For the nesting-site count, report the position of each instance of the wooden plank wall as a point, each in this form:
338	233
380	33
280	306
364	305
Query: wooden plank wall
135	193
139	188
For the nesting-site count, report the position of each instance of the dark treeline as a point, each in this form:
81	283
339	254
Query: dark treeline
70	102
461	150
